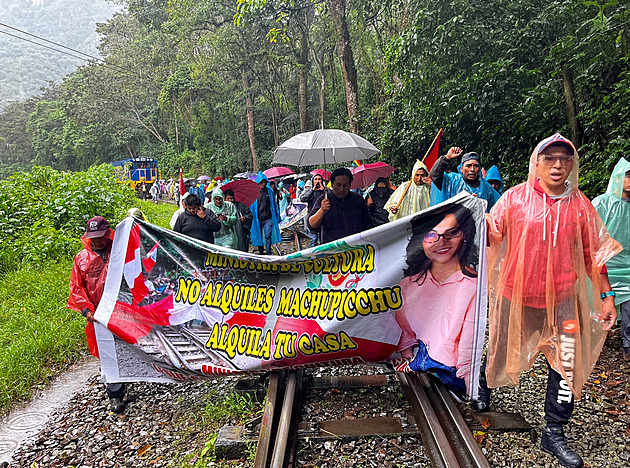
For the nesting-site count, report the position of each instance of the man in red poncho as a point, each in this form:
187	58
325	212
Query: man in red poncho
549	288
87	282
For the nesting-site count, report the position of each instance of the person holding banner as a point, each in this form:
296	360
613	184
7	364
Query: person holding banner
87	282
196	221
411	196
439	290
549	287
466	178
339	213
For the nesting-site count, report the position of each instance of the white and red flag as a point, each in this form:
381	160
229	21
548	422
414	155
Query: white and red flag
132	271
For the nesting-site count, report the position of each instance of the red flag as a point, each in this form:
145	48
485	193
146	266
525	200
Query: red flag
132	271
432	156
182	187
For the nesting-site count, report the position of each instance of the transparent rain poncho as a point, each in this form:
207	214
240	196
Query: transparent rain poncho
416	198
616	216
544	263
226	237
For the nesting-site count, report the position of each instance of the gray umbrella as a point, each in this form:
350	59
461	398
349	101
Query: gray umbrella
322	147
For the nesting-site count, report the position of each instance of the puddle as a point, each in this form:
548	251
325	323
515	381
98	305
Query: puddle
28	419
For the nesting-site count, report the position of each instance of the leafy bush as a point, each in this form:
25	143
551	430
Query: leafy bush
43	213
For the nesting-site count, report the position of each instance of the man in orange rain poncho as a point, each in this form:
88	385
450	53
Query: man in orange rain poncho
546	276
87	282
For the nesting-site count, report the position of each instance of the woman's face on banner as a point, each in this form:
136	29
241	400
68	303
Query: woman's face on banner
442	243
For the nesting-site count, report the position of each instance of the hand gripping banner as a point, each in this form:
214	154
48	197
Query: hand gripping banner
411	292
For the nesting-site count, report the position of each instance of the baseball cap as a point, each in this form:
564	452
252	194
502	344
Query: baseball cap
557	140
468	156
96	227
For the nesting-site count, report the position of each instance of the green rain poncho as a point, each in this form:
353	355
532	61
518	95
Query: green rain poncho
416	198
616	216
226	237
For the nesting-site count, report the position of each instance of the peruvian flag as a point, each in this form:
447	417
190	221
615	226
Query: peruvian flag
151	259
132	270
182	187
433	153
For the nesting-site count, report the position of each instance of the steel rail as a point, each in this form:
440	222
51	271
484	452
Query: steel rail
446	437
267	434
477	457
289	407
435	440
448	421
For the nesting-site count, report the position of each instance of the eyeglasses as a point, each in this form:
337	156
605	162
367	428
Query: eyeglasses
551	160
432	237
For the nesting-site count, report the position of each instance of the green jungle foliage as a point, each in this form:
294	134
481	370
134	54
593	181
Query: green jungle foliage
43	213
212	85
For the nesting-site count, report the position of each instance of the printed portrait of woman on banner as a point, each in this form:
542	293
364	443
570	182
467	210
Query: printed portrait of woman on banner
439	296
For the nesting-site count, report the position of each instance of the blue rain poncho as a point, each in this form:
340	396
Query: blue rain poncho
257	238
226	237
284	198
493	174
453	183
616	216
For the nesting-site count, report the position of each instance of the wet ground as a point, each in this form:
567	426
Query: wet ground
27	420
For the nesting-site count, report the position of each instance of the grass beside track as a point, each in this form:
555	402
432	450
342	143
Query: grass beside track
39	337
157	213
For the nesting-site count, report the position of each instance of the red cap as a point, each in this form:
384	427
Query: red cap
558	140
96	227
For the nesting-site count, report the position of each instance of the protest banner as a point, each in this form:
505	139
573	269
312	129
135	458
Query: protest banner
178	309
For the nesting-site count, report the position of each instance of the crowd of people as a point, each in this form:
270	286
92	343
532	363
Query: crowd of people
557	270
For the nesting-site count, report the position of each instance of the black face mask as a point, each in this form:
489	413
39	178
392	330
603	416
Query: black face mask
380	191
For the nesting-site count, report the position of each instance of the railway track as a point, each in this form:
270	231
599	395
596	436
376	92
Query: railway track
445	435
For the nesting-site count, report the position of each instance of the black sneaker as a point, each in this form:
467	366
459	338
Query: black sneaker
116	405
555	443
482	403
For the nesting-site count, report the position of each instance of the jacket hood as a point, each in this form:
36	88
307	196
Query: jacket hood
417	166
260	177
533	160
493	174
217	192
615	184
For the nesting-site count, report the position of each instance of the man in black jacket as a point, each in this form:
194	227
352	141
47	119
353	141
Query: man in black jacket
196	221
341	212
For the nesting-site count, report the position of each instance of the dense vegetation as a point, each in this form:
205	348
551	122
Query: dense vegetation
42	216
215	85
27	67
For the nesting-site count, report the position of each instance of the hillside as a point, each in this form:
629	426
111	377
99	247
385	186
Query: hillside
27	67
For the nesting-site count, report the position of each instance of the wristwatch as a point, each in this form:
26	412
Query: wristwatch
609	293
84	312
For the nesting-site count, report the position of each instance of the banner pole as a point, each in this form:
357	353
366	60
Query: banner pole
425	157
432	144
